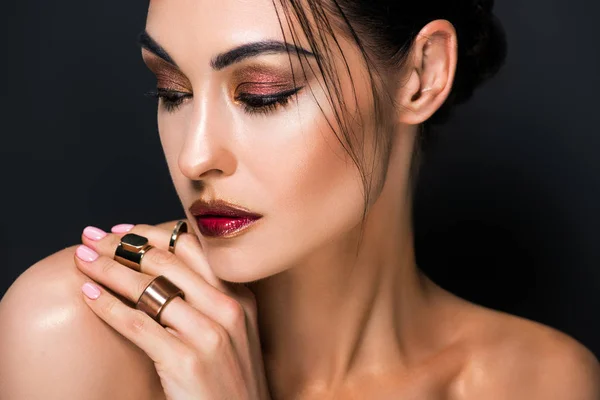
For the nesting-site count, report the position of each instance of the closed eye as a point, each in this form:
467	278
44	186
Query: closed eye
252	104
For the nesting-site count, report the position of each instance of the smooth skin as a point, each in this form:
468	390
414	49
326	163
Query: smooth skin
209	348
332	326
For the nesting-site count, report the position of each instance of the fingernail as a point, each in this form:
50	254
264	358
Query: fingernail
93	233
121	228
90	290
85	253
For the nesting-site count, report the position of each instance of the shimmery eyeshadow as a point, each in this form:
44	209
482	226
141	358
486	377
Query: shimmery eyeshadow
262	80
167	76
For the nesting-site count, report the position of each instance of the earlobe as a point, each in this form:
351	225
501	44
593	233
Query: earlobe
431	72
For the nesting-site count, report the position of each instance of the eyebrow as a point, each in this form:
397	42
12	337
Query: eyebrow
232	56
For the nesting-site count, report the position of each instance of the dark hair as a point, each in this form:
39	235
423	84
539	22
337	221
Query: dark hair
384	31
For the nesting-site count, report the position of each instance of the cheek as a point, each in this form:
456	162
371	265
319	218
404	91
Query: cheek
171	129
325	184
313	188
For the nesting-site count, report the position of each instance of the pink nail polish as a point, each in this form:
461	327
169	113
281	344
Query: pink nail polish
93	233
121	228
85	253
90	290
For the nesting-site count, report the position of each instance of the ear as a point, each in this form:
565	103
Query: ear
429	71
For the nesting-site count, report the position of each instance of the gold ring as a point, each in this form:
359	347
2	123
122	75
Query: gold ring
131	250
181	226
156	295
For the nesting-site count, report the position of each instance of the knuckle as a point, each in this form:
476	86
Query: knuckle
137	323
190	363
214	339
161	257
233	312
106	265
108	307
187	239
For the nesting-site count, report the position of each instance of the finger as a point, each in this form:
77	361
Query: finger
198	330
224	309
187	248
187	322
157	262
221	308
161	346
118	278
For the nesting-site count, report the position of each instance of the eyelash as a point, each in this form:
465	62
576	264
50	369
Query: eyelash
172	100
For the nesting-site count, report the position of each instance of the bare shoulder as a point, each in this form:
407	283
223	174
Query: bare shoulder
53	346
517	358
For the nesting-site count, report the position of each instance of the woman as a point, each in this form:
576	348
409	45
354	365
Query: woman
292	132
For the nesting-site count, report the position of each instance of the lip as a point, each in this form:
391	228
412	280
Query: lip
219	218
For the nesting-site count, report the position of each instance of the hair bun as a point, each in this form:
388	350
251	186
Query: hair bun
482	50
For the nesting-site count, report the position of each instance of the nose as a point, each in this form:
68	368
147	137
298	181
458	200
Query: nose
206	150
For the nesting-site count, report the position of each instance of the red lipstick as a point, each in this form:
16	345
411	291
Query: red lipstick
221	219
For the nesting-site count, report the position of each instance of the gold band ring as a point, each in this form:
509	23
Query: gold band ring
156	295
180	227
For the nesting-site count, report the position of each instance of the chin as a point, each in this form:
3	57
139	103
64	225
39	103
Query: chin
244	268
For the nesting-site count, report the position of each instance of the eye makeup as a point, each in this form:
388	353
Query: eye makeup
167	76
261	80
257	87
262	88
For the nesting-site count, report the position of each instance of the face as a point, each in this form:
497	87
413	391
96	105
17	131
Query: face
233	132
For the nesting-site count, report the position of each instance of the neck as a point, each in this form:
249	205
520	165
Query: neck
338	318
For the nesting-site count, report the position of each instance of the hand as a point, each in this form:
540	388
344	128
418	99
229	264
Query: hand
209	348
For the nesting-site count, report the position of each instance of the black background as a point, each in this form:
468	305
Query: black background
506	211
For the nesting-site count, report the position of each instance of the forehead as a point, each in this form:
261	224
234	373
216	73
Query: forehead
202	28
